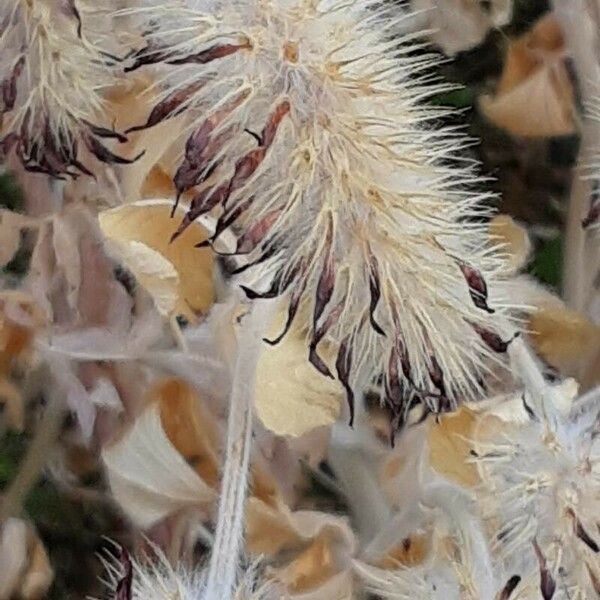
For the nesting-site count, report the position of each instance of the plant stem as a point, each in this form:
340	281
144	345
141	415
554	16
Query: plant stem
580	28
227	549
37	455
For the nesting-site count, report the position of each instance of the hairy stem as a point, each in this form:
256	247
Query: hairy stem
227	549
37	455
578	19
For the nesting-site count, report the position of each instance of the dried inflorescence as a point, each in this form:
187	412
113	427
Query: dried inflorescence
539	493
310	135
154	578
51	83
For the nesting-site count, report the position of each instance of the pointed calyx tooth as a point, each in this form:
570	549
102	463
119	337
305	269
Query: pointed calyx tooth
547	583
171	106
343	366
477	286
279	284
295	297
256	233
374	290
213	53
492	339
104	132
437	375
200	149
245	167
103	154
581	533
226	220
9	86
326	281
124	590
510	587
330	320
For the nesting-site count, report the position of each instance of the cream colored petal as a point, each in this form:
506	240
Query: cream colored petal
148	477
514	238
154	272
449	447
150	223
541	106
292	397
13	556
567	340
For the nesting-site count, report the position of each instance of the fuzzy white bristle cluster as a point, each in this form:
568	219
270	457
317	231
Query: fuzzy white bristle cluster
52	78
310	135
540	494
154	578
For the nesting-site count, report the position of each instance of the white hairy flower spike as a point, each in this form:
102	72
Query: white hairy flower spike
310	134
154	578
51	82
540	493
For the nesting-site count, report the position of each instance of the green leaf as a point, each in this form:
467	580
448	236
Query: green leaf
547	263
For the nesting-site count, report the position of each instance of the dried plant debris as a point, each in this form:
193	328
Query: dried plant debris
535	96
274	342
53	77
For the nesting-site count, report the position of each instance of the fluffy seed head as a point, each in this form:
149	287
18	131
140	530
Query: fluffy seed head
155	579
310	134
540	493
51	81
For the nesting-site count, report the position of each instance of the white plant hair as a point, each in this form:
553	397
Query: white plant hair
154	578
52	79
310	132
540	485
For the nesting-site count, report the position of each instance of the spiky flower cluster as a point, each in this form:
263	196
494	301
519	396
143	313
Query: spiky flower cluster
51	82
311	136
155	579
540	491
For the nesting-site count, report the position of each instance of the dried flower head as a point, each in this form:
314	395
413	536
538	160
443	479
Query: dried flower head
156	579
51	82
540	493
309	134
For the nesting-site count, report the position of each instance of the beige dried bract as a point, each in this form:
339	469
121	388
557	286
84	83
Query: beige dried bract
149	478
292	397
534	97
569	342
190	427
514	239
449	447
24	565
320	547
178	275
459	25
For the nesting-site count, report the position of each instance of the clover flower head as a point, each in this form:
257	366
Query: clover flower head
309	136
156	579
540	493
51	82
